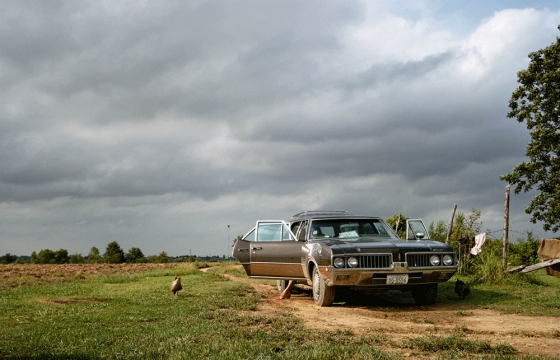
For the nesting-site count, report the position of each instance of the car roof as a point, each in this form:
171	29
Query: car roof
327	214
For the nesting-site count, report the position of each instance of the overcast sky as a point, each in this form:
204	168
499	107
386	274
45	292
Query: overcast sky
157	124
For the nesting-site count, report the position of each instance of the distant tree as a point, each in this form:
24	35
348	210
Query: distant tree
465	226
46	256
76	259
401	219
93	256
438	231
20	260
154	259
33	259
537	102
7	259
61	256
114	254
163	258
134	255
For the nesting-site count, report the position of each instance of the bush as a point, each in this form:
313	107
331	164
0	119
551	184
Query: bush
487	267
523	252
77	259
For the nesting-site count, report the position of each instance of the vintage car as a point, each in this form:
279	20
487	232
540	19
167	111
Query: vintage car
330	250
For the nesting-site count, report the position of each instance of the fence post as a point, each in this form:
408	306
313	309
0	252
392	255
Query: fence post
450	228
506	227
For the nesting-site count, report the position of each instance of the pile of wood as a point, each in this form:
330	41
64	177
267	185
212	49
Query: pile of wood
549	254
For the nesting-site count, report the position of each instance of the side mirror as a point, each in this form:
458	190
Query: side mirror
419	235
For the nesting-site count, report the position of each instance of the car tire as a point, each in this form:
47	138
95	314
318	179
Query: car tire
281	285
322	294
425	294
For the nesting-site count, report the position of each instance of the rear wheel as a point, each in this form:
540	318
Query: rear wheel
322	294
425	294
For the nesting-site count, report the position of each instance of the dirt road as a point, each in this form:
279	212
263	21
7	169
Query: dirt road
396	316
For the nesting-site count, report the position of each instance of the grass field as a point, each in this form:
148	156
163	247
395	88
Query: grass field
134	316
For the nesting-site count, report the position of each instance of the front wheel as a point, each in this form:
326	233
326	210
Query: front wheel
322	294
425	294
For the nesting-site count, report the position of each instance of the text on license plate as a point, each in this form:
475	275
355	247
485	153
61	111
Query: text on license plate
397	278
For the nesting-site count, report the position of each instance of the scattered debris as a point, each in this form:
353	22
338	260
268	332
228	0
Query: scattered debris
540	265
549	253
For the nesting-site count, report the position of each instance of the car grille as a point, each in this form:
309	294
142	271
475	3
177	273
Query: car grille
418	260
379	261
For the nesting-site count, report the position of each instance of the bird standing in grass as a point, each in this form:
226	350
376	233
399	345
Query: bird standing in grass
176	285
461	289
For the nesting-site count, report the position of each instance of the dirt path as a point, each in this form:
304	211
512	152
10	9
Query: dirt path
398	318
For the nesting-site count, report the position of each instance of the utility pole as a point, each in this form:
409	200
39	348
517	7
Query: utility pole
228	231
450	228
506	227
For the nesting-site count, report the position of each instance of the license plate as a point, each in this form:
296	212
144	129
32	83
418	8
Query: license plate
397	278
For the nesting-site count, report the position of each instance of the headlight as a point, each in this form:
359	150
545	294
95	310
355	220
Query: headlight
434	260
338	262
447	260
352	262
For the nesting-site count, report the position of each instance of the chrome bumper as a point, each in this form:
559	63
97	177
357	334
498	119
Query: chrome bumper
378	278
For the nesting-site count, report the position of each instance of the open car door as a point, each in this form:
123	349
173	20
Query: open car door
416	230
270	251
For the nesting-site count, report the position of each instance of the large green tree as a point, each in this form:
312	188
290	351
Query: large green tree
93	256
135	255
114	254
537	102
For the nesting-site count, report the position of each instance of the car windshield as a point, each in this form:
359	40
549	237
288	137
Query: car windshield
351	229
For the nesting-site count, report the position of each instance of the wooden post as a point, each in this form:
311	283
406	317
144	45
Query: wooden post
506	227
450	228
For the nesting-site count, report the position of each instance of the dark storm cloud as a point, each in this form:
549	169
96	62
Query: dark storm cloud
199	58
123	120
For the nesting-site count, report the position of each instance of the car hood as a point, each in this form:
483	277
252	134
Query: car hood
368	245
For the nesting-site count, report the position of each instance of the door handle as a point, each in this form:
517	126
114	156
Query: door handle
242	249
257	248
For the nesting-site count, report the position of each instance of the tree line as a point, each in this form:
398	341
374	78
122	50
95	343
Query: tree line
114	254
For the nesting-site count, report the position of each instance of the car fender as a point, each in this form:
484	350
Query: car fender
318	255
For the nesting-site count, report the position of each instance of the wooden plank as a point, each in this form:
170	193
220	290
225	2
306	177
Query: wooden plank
517	268
540	265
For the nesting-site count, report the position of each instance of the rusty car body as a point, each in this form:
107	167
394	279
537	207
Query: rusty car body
330	250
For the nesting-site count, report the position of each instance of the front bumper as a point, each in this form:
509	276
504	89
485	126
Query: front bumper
371	278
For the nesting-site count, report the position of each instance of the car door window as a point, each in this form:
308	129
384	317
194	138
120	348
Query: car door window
273	231
295	227
303	232
286	235
250	236
415	229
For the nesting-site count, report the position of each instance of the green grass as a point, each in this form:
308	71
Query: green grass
134	316
456	345
533	294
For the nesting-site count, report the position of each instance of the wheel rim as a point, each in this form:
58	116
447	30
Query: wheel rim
316	285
